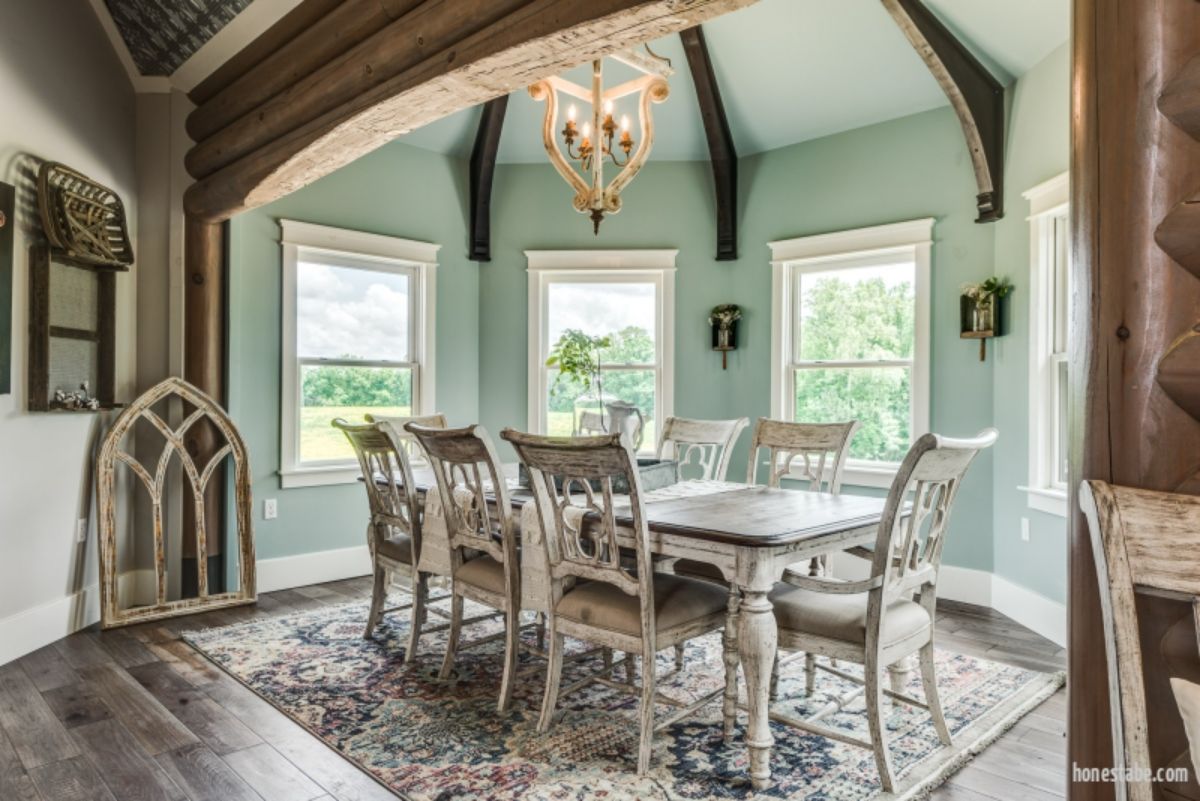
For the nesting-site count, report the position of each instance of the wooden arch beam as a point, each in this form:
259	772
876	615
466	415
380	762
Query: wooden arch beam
976	96
440	57
483	168
721	151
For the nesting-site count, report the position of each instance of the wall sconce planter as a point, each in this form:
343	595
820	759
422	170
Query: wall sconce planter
983	312
724	322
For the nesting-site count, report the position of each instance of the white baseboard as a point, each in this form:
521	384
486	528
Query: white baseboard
981	588
303	569
31	629
1032	610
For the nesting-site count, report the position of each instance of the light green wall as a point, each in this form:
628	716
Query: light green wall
903	169
1038	149
899	170
399	191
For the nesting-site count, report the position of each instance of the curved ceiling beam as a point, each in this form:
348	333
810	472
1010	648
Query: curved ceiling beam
976	96
483	168
335	115
721	151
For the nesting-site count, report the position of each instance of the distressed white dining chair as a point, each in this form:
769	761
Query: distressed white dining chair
394	528
616	605
706	444
397	423
480	538
889	615
1147	541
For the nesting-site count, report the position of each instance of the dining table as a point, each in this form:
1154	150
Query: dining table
751	534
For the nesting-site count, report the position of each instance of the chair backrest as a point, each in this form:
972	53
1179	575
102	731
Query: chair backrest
405	439
1150	541
908	547
388	478
467	470
709	441
572	479
823	447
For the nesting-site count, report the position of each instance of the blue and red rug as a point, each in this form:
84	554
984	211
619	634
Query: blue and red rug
428	739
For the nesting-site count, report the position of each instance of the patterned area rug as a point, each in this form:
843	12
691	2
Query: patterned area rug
428	739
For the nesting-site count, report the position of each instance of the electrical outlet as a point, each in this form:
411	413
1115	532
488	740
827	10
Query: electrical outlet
81	527
1024	529
270	509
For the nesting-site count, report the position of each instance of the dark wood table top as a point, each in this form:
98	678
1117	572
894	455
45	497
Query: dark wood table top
737	514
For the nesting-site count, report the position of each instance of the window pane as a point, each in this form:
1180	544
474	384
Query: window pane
878	397
626	312
857	313
349	392
628	396
344	312
1060	306
1060	467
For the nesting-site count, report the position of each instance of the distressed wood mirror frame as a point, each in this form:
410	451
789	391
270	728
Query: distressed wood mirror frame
201	410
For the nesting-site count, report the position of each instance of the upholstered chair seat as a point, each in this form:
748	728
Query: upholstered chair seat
397	547
844	616
483	572
678	602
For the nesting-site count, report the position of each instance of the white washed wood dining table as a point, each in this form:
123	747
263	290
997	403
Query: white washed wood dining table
751	533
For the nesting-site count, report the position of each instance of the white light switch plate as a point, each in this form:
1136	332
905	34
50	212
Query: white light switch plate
1024	529
270	509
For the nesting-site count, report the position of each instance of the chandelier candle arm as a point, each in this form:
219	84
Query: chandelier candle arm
544	90
655	92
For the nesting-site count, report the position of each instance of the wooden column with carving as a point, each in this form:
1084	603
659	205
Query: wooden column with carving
204	367
1135	361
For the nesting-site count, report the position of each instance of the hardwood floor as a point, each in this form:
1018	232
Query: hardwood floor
137	715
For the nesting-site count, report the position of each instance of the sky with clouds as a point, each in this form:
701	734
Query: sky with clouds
352	312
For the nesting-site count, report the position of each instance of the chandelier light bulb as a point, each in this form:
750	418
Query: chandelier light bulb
608	107
624	122
587	129
571	112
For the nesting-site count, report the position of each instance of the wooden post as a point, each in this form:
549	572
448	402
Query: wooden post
1132	165
204	363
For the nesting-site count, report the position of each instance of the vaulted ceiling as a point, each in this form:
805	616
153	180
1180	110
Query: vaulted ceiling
162	34
794	70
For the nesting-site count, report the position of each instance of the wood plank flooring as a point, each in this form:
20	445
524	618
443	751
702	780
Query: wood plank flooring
137	715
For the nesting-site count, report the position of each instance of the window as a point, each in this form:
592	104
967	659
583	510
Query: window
626	296
851	339
357	339
1050	284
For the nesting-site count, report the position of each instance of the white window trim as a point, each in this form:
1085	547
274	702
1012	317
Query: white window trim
791	256
1047	201
545	266
361	246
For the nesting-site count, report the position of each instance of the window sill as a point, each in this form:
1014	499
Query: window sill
1050	501
319	476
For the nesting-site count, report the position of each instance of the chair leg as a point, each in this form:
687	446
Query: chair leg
646	715
630	669
420	594
731	658
929	680
456	615
378	597
874	701
541	631
553	678
512	620
810	673
679	651
607	655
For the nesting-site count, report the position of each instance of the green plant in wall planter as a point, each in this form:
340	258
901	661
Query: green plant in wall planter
981	310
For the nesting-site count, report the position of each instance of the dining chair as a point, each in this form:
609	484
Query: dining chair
481	539
889	615
615	605
398	422
1143	541
394	528
710	442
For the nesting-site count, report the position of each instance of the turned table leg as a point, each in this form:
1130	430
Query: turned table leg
729	705
901	672
757	638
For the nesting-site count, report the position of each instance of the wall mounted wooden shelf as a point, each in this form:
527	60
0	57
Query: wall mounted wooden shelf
999	323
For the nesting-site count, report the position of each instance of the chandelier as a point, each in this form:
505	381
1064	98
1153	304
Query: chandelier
580	161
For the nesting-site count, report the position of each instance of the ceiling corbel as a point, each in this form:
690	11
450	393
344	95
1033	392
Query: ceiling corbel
483	168
976	96
721	150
